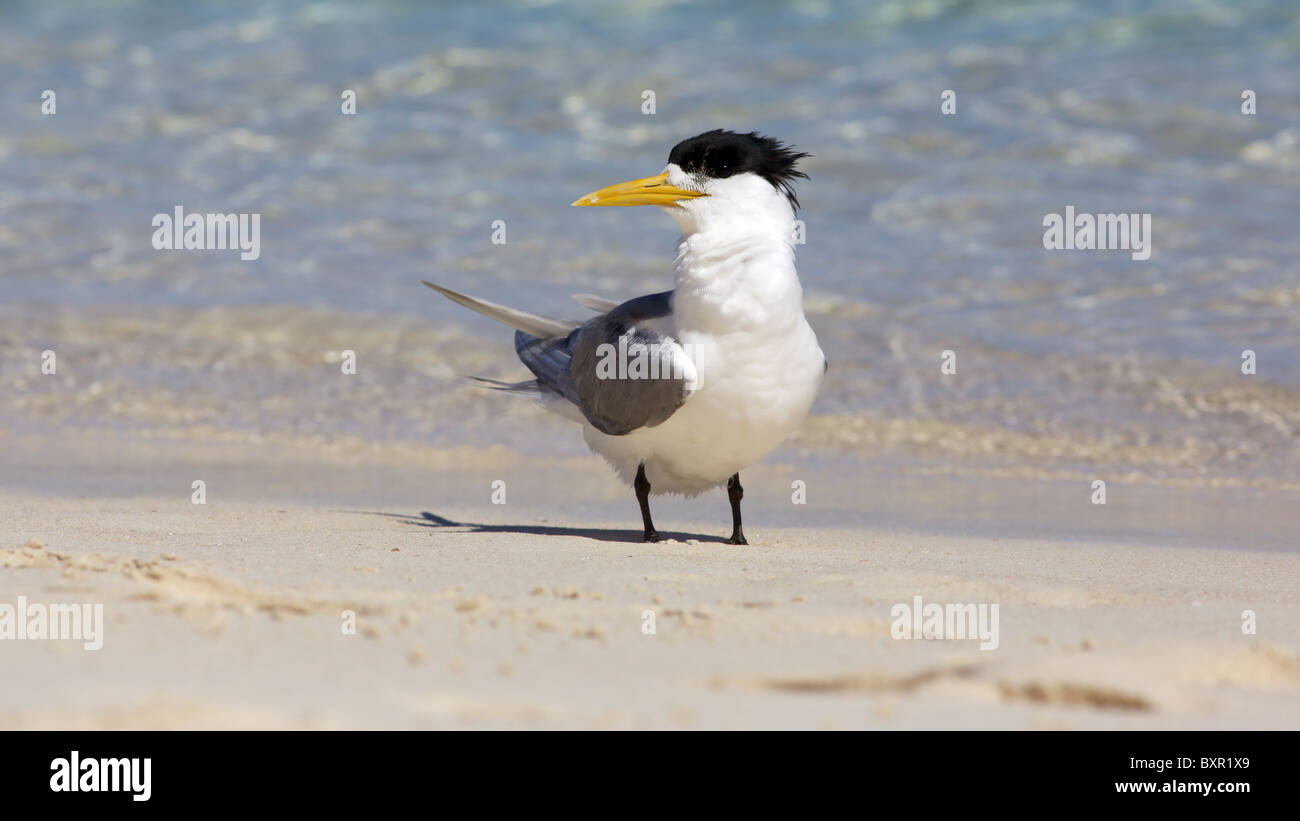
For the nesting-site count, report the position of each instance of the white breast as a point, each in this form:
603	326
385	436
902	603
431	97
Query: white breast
737	310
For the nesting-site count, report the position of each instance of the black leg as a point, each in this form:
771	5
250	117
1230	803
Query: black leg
642	486
735	493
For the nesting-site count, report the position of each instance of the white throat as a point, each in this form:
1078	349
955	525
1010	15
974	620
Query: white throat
735	261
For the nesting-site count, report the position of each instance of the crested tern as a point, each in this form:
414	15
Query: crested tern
724	367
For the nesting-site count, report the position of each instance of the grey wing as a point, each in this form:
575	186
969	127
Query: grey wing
549	361
621	376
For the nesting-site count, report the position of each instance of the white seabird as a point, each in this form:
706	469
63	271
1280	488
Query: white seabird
681	390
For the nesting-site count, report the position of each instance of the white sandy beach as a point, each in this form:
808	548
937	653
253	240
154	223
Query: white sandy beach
229	615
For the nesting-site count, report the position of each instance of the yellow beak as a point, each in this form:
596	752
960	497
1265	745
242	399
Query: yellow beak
648	191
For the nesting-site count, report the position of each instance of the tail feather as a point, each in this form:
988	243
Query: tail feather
527	386
540	326
596	303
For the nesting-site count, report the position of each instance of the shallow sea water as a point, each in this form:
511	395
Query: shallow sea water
924	231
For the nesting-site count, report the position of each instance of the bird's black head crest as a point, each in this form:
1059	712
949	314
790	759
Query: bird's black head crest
720	153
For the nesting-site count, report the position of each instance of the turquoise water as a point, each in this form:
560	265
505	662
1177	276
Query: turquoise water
923	230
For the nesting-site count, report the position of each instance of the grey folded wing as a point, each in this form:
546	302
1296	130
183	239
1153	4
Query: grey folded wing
602	367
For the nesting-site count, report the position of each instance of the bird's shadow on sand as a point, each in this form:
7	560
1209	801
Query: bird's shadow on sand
434	521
